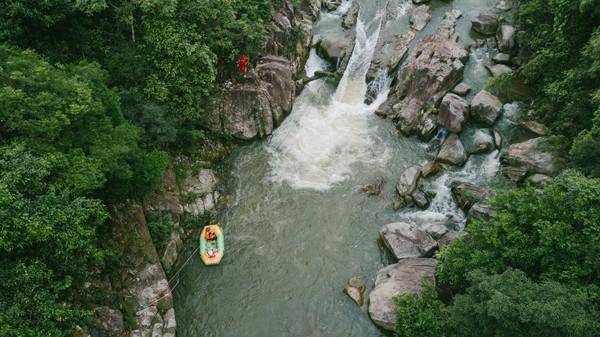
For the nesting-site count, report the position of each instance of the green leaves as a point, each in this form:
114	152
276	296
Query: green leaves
551	234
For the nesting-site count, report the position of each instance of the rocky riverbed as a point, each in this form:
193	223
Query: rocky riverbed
375	142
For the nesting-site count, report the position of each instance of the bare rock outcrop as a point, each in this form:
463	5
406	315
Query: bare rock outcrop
453	113
452	151
406	240
530	157
433	67
405	277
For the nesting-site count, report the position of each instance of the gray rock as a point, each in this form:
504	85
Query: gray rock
485	24
172	249
535	128
480	211
356	290
506	38
466	194
406	240
501	58
375	188
201	190
405	277
453	113
430	169
445	240
532	156
419	17
462	89
253	108
420	199
407	182
332	47
452	151
477	141
436	230
485	108
539	179
389	51
433	67
498	69
418	2
351	16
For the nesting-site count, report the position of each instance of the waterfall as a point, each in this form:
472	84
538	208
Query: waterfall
318	144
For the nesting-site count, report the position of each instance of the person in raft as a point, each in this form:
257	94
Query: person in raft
212	252
209	234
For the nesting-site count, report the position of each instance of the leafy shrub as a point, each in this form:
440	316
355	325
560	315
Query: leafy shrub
421	315
551	234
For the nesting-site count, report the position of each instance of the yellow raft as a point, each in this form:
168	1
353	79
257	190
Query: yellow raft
211	251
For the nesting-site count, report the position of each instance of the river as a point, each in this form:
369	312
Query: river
298	227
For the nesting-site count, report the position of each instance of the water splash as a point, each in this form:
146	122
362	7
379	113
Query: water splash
317	146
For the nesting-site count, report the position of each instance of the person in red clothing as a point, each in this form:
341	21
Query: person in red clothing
243	63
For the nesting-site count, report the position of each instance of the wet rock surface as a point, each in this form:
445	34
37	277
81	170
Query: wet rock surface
434	66
408	180
453	113
452	151
485	24
419	17
406	240
467	194
405	277
485	108
532	156
477	141
356	290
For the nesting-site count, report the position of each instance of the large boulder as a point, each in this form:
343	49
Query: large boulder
452	151
506	38
434	66
498	69
485	108
477	141
485	24
405	277
406	240
532	156
389	51
419	17
407	182
253	108
453	113
462	89
501	58
333	47
467	194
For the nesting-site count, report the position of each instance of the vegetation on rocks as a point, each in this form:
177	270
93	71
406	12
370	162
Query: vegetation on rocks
93	94
532	269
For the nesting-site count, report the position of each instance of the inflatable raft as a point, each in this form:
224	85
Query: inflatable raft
212	245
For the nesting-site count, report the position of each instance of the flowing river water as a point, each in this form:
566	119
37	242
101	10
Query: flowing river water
298	227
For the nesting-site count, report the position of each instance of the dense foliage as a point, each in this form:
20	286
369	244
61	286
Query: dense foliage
563	40
533	270
93	94
163	57
554	234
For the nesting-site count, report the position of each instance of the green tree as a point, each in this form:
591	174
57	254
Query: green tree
549	235
510	304
421	315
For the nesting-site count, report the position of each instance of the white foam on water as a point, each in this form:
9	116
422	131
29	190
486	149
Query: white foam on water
314	63
317	147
